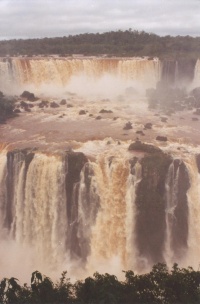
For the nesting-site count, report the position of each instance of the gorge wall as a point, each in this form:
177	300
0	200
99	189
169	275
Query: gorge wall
137	210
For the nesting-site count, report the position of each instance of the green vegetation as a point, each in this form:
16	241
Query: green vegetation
6	108
159	286
114	43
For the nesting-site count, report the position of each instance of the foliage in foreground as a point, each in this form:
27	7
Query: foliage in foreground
180	285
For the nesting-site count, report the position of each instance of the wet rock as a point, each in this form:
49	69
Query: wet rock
24	104
16	111
98	117
161	138
139	146
63	102
43	104
54	105
27	109
29	96
195	119
105	111
197	112
115	118
148	125
82	112
140	132
164	119
69	105
128	126
198	162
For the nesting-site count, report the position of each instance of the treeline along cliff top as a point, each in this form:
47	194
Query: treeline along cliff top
115	43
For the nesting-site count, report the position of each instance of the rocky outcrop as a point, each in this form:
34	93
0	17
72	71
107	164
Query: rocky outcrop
29	96
128	126
161	138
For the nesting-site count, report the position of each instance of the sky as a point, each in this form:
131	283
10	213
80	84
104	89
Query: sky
58	18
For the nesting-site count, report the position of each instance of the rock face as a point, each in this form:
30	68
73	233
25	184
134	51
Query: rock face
150	202
74	163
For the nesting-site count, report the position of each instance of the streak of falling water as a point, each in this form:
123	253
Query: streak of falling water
193	195
3	175
133	180
196	79
171	187
88	205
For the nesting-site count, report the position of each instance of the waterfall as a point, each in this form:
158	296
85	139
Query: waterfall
56	207
112	238
34	208
193	253
58	210
171	186
39	72
177	186
196	81
3	194
133	180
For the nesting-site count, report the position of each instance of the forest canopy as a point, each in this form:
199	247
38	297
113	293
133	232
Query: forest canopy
159	286
114	43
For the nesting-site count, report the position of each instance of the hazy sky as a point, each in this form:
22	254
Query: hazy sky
53	18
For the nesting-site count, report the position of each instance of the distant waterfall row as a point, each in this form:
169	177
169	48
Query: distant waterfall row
63	206
22	72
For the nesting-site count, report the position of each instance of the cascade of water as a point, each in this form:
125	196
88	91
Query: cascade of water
112	237
6	78
145	72
88	205
3	194
193	194
196	80
172	189
176	74
44	212
34	205
108	235
131	212
38	72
